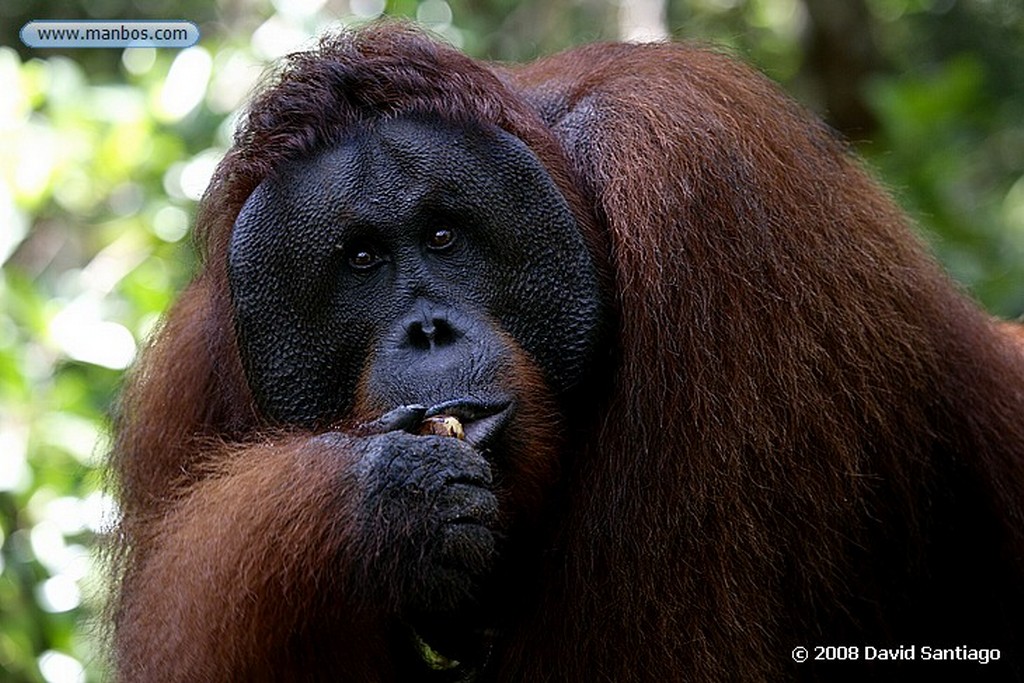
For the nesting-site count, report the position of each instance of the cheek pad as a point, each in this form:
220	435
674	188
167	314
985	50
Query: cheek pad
545	289
301	365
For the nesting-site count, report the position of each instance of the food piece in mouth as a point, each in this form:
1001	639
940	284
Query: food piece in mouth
442	425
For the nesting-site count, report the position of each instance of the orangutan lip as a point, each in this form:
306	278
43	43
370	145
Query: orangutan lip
481	421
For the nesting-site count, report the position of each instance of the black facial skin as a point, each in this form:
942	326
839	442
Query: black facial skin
423	247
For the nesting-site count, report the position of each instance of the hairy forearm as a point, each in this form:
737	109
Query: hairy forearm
262	541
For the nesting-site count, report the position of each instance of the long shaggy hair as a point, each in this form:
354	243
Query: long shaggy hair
800	431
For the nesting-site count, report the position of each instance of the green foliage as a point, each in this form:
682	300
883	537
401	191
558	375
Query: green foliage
93	255
102	158
937	133
951	139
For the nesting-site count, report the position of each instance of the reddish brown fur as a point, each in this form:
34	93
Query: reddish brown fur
1014	329
801	429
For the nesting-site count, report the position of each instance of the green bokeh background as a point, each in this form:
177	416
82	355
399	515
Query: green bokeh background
103	154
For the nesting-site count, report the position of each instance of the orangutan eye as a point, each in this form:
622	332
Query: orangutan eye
362	257
441	238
